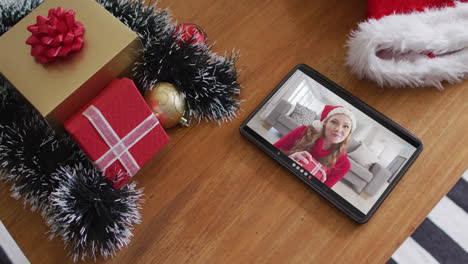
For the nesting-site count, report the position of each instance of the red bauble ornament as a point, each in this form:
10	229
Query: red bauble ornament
188	31
55	35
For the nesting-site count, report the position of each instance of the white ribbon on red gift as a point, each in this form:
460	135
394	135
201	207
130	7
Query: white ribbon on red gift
318	167
118	148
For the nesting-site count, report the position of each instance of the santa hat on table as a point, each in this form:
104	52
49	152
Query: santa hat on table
411	43
329	111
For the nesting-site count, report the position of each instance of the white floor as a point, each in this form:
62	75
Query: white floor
362	202
264	129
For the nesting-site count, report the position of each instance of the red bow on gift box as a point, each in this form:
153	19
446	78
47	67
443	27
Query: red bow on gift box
56	35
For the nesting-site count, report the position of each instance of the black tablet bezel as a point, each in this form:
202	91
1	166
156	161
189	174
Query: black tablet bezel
314	183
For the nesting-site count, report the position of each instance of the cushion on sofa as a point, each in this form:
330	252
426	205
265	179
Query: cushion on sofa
352	145
288	122
363	156
355	181
381	175
360	170
303	115
281	108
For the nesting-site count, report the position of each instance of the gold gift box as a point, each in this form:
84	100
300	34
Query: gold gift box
60	88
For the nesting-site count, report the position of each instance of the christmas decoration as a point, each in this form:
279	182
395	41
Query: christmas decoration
191	32
111	50
13	11
118	131
411	43
13	106
78	203
149	22
167	104
55	35
29	154
208	82
88	213
330	110
76	200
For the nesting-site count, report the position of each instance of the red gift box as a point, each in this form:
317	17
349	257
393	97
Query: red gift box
118	131
315	168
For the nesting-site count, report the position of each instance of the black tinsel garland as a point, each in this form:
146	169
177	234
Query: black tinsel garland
50	172
13	11
147	21
208	82
88	213
31	153
13	106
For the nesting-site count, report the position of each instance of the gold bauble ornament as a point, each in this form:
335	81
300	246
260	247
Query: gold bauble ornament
167	104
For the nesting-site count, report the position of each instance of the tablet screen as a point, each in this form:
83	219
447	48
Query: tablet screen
333	140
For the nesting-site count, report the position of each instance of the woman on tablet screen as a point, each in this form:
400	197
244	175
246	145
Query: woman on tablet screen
324	141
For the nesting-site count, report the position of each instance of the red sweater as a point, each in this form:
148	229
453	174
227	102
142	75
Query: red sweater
334	174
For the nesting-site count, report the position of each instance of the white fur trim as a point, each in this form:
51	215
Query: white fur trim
317	124
344	111
442	32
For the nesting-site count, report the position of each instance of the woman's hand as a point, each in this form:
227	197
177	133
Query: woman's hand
305	158
301	156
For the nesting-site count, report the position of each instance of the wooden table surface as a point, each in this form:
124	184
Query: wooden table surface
213	197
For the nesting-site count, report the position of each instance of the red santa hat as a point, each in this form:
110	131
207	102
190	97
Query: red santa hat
411	42
329	111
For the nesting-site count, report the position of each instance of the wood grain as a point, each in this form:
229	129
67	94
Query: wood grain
212	197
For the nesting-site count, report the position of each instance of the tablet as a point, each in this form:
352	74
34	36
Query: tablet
335	143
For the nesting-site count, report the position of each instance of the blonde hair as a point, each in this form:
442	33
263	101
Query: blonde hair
308	139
